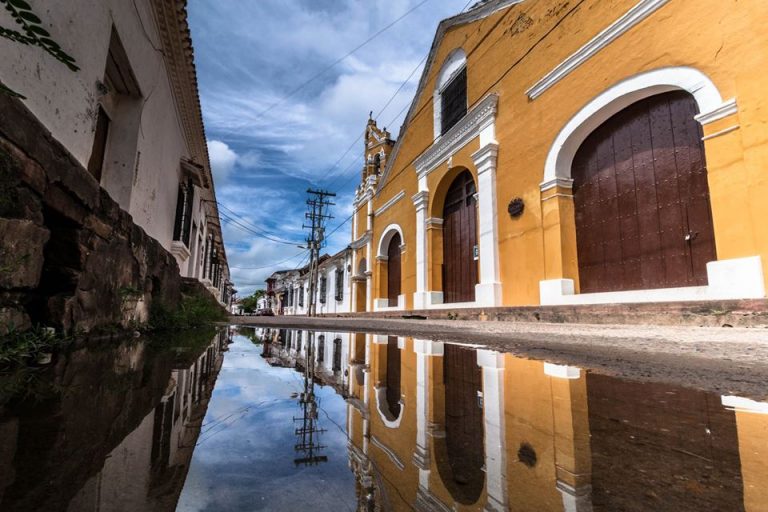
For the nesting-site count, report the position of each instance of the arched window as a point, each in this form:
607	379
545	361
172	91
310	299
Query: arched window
450	96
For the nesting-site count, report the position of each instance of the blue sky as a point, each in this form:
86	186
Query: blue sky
267	147
244	455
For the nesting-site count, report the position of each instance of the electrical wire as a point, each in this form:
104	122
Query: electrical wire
270	265
253	232
251	225
339	60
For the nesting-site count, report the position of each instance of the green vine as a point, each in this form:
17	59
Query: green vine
34	35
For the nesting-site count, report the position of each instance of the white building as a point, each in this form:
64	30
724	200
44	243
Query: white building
288	290
130	115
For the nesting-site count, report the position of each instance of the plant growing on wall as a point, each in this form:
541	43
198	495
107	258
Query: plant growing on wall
33	35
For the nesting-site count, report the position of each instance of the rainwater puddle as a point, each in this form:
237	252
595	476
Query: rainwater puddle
277	419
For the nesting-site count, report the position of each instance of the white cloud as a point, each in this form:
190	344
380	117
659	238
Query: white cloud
223	160
276	140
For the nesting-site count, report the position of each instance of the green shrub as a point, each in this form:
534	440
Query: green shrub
193	311
20	348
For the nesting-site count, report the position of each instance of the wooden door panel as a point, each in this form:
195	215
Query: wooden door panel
459	239
394	269
640	186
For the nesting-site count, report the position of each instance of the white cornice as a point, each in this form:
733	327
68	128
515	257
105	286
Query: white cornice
360	242
485	157
638	13
420	199
386	206
457	137
556	182
726	109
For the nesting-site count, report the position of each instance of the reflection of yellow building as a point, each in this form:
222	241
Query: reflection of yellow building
474	429
610	151
464	420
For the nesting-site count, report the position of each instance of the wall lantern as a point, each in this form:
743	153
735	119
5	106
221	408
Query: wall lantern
516	207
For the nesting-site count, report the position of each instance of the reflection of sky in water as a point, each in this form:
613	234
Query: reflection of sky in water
244	457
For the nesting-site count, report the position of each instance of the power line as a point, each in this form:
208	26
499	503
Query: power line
271	265
337	61
246	229
381	111
420	111
251	225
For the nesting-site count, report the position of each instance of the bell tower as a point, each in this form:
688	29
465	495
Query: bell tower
377	148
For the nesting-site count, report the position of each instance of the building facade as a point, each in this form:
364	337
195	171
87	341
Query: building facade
608	152
288	290
129	113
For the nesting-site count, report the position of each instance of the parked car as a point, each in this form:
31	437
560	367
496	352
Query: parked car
264	312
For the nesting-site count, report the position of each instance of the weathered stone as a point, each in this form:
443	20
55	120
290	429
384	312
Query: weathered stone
13	318
66	248
27	170
21	253
58	199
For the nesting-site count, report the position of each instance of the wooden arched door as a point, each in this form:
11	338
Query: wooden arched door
393	270
459	240
641	199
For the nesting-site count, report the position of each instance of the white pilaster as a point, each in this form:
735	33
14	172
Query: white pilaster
488	291
492	364
425	349
421	201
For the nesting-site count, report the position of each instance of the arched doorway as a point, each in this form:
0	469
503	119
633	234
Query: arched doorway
641	198
459	240
393	376
393	269
461	454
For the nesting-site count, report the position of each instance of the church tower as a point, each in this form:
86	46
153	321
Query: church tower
378	146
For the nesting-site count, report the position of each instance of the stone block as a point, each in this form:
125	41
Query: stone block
21	253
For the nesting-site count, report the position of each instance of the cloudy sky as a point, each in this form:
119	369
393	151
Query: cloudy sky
278	117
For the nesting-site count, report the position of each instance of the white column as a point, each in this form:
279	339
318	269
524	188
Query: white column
492	364
421	296
488	291
425	349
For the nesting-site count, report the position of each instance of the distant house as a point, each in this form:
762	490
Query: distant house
288	290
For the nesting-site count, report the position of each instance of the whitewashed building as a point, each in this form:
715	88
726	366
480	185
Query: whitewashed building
288	290
128	111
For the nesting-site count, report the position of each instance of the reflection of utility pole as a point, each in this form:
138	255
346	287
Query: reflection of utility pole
317	207
308	434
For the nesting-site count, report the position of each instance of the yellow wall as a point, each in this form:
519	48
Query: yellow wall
509	51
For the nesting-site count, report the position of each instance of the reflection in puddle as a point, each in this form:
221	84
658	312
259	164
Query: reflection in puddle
423	425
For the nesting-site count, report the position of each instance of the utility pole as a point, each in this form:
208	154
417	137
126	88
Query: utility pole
317	212
308	433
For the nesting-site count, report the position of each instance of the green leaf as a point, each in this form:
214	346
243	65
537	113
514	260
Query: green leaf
50	43
21	4
29	16
39	30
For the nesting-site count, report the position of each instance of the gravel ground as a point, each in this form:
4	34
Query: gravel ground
722	360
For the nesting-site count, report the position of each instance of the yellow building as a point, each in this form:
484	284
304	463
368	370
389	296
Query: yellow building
574	153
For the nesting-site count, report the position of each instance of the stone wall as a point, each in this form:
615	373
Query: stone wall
69	256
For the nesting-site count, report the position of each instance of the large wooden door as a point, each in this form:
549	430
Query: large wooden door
641	198
393	270
463	424
459	240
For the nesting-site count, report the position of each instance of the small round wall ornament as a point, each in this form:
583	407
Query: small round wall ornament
516	207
